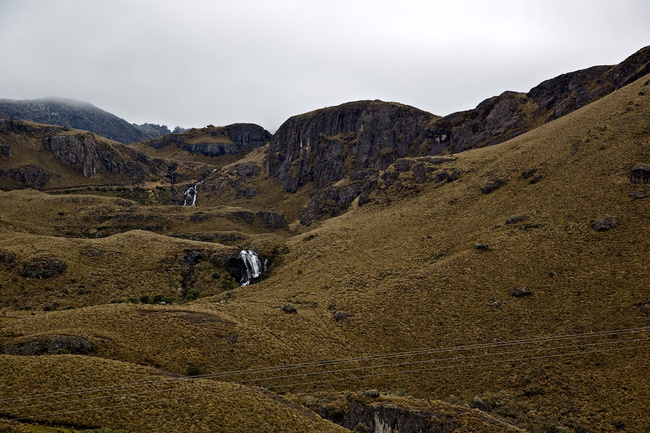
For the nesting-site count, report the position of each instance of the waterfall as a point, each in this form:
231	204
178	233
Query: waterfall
191	192
253	266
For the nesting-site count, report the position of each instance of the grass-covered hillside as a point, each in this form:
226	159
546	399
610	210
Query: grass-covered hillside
496	289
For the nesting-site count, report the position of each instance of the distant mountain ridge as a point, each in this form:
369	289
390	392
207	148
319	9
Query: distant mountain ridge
503	117
335	155
80	115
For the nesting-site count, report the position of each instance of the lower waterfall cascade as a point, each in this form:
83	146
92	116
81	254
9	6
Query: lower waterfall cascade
253	266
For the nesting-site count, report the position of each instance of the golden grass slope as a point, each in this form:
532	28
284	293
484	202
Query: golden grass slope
406	270
93	392
104	270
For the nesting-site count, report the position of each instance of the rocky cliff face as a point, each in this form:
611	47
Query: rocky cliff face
78	115
22	145
382	413
327	145
152	130
85	154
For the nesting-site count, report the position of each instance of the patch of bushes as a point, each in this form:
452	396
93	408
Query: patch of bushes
159	298
228	284
193	370
191	295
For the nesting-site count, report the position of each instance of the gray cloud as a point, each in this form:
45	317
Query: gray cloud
191	63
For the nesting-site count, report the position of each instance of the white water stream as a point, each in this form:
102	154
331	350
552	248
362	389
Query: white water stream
191	192
253	266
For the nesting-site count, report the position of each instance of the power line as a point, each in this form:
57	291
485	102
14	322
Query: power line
419	352
465	365
360	368
120	406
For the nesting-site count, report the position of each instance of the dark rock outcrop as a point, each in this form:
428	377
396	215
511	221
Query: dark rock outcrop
7	258
503	117
30	176
152	130
374	412
248	136
493	121
44	267
5	149
493	185
48	345
333	201
289	309
273	220
73	114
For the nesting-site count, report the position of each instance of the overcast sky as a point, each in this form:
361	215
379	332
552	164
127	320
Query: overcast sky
192	63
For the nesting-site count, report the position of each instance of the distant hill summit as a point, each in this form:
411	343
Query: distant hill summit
213	141
79	115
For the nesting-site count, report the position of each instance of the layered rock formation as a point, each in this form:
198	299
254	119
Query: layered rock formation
87	155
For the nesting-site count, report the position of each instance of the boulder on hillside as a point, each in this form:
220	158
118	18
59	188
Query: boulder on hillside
519	292
604	224
637	195
341	316
640	174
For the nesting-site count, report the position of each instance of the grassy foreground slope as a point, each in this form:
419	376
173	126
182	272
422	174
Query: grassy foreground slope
92	392
542	317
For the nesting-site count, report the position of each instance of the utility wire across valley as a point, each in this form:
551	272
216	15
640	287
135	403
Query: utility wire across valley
315	369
